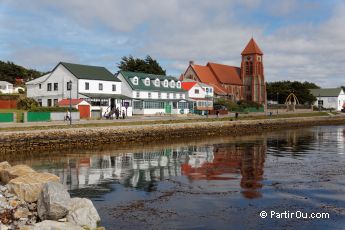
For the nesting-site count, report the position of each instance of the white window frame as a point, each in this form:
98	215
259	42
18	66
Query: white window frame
166	83
157	82
172	84
147	81
178	84
135	80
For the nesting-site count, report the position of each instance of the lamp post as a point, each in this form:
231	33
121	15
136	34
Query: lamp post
277	102
70	101
319	103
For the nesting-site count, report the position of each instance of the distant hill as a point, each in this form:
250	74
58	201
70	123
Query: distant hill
10	71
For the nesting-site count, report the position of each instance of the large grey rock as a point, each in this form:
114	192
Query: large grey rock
53	201
29	186
53	225
83	213
9	173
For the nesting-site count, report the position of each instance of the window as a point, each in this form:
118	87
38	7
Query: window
69	85
135	81
178	84
40	87
181	95
55	102
172	84
149	95
174	95
114	87
211	90
154	105
183	105
160	95
40	101
49	87
147	82
100	86
138	94
168	95
196	91
207	90
157	82
166	83
138	105
87	86
56	86
49	102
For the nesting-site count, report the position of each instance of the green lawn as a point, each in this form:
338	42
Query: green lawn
20	113
118	123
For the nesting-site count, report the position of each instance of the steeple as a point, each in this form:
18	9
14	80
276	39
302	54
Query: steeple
252	48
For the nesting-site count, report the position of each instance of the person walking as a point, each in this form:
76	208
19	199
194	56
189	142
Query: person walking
68	116
123	114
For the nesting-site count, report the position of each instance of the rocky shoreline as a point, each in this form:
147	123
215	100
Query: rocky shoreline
38	201
12	142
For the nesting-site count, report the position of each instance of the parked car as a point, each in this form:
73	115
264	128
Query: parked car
219	107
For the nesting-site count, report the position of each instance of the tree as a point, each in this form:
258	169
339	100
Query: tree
10	71
282	89
147	65
343	87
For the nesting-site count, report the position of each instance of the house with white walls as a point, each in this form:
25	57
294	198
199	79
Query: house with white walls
329	98
6	87
200	94
95	84
154	94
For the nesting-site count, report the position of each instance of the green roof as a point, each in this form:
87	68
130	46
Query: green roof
105	95
89	72
141	86
330	92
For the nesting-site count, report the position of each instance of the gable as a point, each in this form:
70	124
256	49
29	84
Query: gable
226	74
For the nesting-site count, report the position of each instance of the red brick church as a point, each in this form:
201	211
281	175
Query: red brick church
244	83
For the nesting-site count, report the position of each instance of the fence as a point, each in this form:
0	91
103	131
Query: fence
48	116
8	104
7	117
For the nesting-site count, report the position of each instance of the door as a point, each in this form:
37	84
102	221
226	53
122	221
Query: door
112	103
84	111
167	108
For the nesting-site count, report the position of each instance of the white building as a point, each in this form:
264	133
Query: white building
329	98
95	84
200	94
6	87
154	94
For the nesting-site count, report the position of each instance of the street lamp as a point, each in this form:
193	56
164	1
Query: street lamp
319	103
69	87
277	101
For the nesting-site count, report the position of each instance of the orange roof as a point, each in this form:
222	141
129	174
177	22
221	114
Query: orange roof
188	85
226	74
204	73
252	48
64	102
218	89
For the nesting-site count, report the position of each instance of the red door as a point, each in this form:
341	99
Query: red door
84	111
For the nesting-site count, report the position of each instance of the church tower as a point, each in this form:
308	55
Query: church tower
252	73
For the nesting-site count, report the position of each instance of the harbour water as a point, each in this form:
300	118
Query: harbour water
214	183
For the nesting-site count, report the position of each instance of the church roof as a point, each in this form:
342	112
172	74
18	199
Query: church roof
226	74
252	48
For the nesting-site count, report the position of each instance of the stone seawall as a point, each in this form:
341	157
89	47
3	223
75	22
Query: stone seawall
88	137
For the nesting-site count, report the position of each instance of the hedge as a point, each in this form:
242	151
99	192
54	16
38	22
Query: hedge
51	109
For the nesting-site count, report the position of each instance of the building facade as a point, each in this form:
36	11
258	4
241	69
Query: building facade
6	87
200	94
154	94
94	84
330	98
237	83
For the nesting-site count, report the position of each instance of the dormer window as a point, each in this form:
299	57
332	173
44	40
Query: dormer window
147	81
165	83
135	80
157	82
178	84
172	84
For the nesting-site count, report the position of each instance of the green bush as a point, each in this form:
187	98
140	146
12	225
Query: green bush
21	91
51	109
229	104
248	104
25	103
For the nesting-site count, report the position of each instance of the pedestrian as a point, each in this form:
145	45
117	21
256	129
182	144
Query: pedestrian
117	113
68	116
123	114
217	113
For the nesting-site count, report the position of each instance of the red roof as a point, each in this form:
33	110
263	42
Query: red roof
252	48
65	102
226	74
188	85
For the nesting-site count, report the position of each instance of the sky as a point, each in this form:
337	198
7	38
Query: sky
302	40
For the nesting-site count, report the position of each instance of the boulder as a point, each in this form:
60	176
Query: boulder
53	201
4	165
29	186
7	174
83	213
52	225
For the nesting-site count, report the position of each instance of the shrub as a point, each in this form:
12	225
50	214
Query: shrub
51	109
21	91
25	103
230	105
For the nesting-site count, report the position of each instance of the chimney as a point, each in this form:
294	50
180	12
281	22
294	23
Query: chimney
191	62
